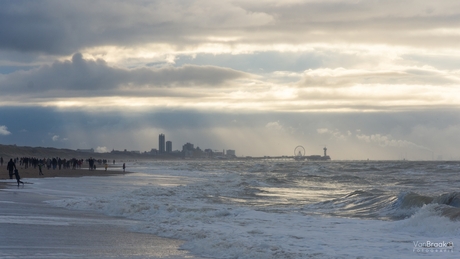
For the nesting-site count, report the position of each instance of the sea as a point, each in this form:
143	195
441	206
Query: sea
280	208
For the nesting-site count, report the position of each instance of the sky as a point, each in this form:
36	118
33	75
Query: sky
366	79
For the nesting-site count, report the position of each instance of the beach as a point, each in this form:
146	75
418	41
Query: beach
31	228
235	209
31	172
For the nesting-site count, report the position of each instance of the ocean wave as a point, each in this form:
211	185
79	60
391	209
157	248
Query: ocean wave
434	220
357	204
410	202
378	204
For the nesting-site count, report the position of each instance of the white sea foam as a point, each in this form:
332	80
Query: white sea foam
34	220
428	221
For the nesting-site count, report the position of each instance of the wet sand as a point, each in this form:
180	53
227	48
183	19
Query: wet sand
31	228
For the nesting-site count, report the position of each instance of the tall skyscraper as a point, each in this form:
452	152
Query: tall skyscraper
168	146
161	143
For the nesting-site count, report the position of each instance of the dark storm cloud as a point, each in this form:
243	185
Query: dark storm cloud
56	27
40	26
80	74
61	28
64	27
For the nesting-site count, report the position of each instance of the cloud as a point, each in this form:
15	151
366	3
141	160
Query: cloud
350	56
399	88
341	77
62	28
66	78
371	22
101	150
381	140
336	134
388	141
4	130
275	125
56	27
323	131
55	138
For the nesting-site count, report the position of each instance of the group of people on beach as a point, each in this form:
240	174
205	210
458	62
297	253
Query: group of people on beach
54	162
26	162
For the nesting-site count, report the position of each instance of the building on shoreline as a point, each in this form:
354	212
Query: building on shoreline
168	146
161	143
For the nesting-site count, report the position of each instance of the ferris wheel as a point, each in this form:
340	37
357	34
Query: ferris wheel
299	152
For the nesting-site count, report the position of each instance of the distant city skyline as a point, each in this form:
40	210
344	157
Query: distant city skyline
166	147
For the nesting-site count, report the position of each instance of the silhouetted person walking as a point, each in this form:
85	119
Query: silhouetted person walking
11	166
18	178
40	169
